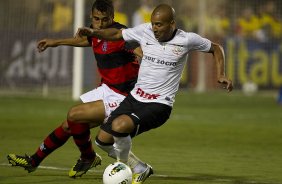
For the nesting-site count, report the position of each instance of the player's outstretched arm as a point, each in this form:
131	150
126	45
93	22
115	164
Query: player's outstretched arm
219	57
75	41
111	34
138	52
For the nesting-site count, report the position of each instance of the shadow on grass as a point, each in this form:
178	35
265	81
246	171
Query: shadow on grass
54	177
210	179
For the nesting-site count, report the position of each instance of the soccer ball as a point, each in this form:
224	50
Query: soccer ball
249	88
117	173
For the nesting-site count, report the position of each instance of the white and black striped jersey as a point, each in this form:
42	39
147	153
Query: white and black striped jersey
162	62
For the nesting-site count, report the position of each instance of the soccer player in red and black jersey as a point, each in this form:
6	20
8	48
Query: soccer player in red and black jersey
118	67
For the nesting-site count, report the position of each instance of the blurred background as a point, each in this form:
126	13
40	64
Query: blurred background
250	31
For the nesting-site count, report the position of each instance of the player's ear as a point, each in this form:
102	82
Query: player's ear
173	24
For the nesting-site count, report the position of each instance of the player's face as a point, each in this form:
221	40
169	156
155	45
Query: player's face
162	28
101	20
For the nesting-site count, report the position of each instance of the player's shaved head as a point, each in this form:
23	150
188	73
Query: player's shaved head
163	22
165	11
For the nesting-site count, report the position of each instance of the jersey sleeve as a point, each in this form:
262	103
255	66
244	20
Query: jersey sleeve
197	43
131	45
134	34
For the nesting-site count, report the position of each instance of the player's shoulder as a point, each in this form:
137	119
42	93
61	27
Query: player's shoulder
186	37
191	35
183	33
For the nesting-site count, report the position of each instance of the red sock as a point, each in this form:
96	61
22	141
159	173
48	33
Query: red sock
82	138
53	141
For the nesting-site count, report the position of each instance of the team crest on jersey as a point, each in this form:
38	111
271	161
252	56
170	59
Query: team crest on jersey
105	46
177	50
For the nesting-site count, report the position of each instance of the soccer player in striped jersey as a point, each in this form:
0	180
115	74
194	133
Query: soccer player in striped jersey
118	68
165	49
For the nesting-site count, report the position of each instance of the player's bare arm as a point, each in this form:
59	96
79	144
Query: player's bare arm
138	52
219	57
76	42
111	34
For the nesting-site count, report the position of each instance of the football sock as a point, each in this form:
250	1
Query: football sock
134	162
107	147
53	141
82	138
122	147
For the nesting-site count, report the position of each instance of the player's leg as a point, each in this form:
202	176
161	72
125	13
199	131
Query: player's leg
61	134
141	171
107	135
130	119
53	141
147	116
80	119
95	110
105	141
119	125
133	118
122	126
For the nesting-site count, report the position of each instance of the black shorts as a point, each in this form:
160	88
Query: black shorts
146	116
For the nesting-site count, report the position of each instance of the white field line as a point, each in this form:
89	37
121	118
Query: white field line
67	169
227	180
51	168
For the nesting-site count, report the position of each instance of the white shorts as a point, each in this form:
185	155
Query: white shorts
110	98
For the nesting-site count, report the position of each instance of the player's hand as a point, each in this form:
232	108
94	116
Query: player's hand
84	31
227	83
44	44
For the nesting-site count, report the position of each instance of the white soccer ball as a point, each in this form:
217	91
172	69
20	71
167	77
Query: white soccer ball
249	88
117	173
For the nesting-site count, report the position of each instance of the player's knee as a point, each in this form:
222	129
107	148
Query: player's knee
73	114
123	124
105	137
65	126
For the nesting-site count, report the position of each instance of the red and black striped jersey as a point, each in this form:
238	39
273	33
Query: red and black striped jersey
117	64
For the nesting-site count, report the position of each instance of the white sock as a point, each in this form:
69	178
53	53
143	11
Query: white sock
122	148
108	149
134	162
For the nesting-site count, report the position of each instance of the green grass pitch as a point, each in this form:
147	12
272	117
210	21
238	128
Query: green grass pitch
211	138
